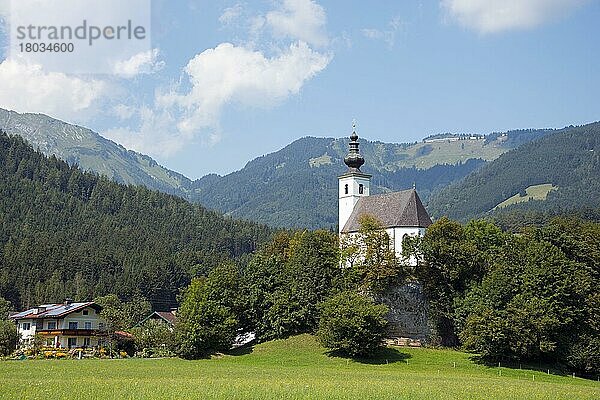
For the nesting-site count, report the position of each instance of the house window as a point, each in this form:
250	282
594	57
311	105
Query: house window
51	324
360	189
101	325
346	189
87	325
85	312
26	326
72	324
71	342
87	342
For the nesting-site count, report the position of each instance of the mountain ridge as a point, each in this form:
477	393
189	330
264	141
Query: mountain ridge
295	186
568	159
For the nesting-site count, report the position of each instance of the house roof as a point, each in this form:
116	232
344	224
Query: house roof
393	210
166	316
54	310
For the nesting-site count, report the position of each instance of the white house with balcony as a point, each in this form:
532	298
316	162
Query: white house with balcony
66	325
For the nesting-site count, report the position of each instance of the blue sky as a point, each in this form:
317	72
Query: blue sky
228	81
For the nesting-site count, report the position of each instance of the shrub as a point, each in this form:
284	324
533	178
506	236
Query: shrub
352	324
8	337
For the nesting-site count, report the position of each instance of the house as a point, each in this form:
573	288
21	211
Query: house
401	213
66	325
167	317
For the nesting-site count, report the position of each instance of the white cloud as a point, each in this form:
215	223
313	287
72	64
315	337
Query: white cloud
220	76
299	19
123	111
487	16
27	88
233	74
155	134
145	62
388	35
231	14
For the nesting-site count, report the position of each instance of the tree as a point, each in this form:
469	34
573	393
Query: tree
9	337
4	308
153	338
287	279
203	326
352	324
528	305
112	312
375	267
447	268
121	315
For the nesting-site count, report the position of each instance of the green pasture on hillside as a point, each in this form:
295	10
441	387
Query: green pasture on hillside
296	368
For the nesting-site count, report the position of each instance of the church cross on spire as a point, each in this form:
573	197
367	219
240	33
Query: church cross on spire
354	160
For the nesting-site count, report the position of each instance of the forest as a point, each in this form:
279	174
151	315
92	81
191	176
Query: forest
68	233
568	158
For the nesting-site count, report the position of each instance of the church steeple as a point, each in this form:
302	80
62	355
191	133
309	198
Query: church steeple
354	160
353	184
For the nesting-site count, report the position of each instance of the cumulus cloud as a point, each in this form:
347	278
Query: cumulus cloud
145	62
487	16
299	19
226	74
234	74
28	88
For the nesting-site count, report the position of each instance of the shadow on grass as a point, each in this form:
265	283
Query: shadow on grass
386	355
248	348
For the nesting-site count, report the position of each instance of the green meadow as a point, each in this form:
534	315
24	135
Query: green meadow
535	192
295	368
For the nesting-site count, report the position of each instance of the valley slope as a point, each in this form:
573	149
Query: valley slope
567	162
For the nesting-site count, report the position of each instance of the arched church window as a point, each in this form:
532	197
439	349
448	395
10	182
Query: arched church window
360	189
346	189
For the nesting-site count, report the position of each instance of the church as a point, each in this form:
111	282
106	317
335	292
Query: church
401	213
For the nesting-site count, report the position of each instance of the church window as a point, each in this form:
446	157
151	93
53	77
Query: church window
346	189
361	189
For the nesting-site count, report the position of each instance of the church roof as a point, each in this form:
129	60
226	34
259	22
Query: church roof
398	209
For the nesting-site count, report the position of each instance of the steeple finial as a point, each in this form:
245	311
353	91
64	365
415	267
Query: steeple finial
354	160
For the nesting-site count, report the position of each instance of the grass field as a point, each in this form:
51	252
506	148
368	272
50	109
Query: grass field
287	369
535	192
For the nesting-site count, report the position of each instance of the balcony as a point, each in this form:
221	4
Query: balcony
71	332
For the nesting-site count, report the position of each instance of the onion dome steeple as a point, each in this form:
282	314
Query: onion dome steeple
354	160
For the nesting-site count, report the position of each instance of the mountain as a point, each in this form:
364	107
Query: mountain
68	233
85	148
297	186
559	173
293	187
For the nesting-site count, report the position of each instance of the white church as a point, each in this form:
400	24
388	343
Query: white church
400	213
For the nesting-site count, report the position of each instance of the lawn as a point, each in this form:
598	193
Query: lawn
287	369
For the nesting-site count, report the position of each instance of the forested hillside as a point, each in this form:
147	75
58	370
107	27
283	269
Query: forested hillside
297	186
91	152
568	159
64	232
293	187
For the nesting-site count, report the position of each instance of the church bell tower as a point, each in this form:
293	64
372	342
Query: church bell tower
353	184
